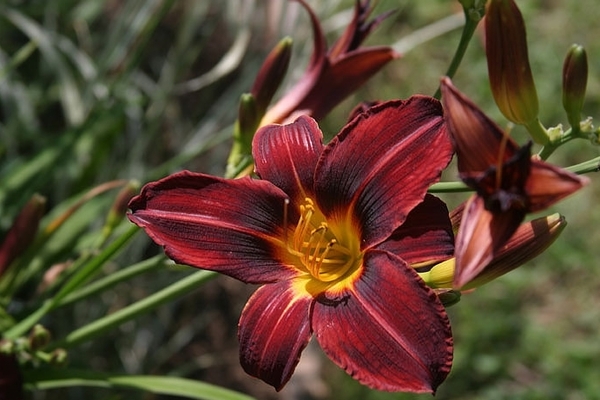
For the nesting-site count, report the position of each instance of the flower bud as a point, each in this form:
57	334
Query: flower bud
575	74
509	72
440	275
271	74
23	231
248	118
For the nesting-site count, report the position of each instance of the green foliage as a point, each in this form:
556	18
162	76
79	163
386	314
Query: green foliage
97	91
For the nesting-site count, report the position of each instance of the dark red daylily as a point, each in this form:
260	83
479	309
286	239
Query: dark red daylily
331	232
333	74
508	181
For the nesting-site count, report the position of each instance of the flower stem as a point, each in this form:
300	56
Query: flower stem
83	273
467	33
592	165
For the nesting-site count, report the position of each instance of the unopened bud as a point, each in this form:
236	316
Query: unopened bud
23	231
575	74
509	72
248	118
440	275
271	74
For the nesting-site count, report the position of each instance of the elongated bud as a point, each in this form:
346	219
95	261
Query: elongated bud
271	74
575	74
509	72
23	231
248	118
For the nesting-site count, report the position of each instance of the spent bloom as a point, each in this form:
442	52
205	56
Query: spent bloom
332	74
530	239
331	232
508	181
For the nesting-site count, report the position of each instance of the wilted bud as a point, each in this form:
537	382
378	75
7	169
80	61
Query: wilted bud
530	240
510	75
575	74
271	74
23	231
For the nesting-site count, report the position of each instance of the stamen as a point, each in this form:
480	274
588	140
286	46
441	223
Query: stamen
316	247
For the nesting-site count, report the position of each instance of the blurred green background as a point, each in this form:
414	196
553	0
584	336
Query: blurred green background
96	90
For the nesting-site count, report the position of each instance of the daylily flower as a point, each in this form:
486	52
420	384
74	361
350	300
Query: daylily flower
509	183
333	74
331	233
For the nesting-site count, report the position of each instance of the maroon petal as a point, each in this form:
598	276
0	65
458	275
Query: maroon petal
284	107
481	234
274	329
231	226
479	142
547	184
389	331
425	237
341	78
382	163
286	155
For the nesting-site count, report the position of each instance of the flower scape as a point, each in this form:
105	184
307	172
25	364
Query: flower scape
345	239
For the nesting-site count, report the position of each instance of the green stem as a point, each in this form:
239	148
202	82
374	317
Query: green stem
79	278
465	38
134	310
538	132
592	165
85	272
113	279
449	187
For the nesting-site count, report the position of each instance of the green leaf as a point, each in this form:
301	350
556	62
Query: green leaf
43	379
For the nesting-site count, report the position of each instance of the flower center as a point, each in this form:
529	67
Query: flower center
321	253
